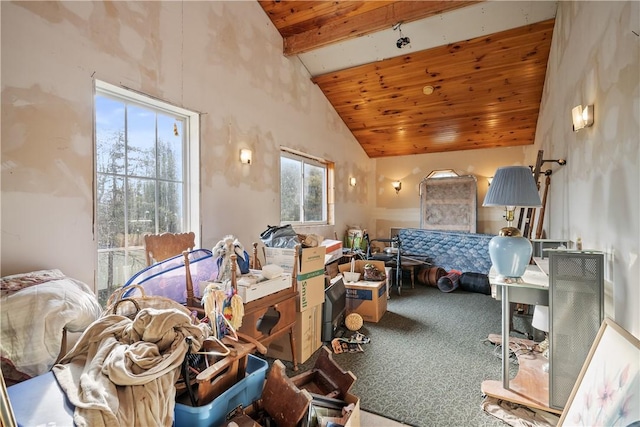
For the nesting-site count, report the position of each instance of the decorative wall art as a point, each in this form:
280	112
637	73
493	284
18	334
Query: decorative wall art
449	204
607	391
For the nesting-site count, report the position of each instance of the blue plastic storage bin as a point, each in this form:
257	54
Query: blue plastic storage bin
244	392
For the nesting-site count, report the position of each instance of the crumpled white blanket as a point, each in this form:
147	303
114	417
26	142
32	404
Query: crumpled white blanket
518	415
122	372
33	319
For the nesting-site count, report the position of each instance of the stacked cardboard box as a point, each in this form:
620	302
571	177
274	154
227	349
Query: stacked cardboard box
251	286
333	250
368	299
310	279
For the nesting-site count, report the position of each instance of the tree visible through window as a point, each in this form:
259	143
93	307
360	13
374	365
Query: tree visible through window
303	189
142	180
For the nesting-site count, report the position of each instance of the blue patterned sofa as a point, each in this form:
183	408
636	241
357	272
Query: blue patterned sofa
451	250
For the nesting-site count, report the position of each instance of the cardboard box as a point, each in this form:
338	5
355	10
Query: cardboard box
250	290
368	299
354	417
359	265
308	334
283	257
310	272
333	250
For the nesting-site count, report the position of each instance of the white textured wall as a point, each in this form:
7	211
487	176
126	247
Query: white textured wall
223	59
595	59
403	209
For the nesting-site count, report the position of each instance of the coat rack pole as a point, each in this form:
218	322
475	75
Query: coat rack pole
547	183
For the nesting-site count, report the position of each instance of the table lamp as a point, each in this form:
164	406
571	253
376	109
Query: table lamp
540	321
512	186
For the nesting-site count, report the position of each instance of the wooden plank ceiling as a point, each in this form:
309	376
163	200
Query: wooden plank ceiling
486	91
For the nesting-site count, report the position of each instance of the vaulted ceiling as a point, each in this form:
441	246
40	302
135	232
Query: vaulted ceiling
471	76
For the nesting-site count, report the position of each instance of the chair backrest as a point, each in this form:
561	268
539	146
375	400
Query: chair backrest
158	247
254	261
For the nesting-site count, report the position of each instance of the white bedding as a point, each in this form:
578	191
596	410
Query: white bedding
32	319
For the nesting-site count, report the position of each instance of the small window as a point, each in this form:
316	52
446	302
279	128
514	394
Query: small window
443	173
304	183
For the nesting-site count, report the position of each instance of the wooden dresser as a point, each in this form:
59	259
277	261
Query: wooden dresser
268	318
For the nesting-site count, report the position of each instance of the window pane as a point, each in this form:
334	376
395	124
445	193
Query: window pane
170	209
169	148
115	267
109	135
140	209
110	273
314	198
110	211
141	141
290	189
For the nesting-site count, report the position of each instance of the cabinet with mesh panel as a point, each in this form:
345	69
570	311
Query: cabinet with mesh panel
576	310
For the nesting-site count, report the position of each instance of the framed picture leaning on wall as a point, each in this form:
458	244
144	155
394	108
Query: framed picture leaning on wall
607	391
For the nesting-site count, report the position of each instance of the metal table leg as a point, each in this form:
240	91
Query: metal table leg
505	337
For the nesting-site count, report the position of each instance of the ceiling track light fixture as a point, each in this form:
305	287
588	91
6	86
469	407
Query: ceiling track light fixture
402	41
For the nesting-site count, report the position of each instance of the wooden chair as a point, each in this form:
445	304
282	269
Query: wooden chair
158	247
254	261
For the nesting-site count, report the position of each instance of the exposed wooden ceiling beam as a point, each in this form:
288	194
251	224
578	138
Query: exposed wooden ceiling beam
350	20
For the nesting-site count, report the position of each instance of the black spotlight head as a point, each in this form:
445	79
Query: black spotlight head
402	42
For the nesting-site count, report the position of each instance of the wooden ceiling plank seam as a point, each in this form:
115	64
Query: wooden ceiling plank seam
473	99
512	115
460	127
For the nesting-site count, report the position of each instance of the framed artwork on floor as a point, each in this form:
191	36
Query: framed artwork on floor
607	391
7	419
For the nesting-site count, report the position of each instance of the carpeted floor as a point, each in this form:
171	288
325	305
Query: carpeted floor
427	357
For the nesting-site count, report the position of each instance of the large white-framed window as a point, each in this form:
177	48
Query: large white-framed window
147	158
305	189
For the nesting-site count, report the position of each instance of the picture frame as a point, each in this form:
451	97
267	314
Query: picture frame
607	391
6	412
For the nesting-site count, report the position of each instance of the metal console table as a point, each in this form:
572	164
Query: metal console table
530	387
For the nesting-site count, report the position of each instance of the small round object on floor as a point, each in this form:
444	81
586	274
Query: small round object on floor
353	322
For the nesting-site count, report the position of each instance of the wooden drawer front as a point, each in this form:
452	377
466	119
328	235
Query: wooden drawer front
263	322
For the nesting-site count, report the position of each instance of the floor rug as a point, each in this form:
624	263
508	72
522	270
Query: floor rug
427	358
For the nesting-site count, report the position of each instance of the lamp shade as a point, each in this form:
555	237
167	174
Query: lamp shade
513	186
540	319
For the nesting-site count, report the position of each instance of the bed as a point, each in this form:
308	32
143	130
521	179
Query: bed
37	309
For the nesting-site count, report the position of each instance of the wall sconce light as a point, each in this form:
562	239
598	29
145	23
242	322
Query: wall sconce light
397	185
582	118
490	179
352	181
245	156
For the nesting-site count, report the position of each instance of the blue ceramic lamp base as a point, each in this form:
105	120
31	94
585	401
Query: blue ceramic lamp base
510	255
